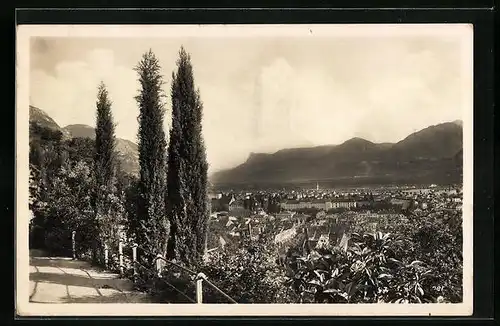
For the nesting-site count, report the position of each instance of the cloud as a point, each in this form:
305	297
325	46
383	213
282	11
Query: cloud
311	93
69	95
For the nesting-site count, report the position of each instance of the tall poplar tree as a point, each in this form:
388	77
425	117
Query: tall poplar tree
104	139
187	201
104	171
151	227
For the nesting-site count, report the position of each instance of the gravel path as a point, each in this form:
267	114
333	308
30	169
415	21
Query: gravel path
63	280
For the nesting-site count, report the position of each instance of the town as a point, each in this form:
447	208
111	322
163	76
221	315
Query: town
325	215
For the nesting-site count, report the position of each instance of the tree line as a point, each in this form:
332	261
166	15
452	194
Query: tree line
78	184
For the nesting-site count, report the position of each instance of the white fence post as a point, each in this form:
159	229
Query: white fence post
120	255
158	264
134	258
73	243
199	288
106	255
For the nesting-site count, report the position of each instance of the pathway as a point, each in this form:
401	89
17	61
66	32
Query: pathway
63	280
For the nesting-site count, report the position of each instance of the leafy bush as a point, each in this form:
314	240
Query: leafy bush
69	209
368	272
249	274
432	236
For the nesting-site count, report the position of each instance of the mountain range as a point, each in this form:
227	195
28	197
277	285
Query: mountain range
126	150
431	155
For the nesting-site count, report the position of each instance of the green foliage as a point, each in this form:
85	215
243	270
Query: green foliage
151	226
70	208
62	190
436	238
46	157
187	201
127	185
80	149
105	139
416	259
248	274
46	153
369	272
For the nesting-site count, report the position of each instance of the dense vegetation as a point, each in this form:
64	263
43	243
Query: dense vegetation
419	262
62	189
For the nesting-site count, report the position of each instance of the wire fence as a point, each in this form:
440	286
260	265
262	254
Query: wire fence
121	256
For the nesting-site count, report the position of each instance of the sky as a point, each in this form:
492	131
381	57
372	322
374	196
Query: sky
265	92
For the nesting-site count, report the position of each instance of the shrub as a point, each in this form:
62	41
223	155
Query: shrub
368	272
249	274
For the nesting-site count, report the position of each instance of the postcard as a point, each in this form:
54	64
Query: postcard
257	170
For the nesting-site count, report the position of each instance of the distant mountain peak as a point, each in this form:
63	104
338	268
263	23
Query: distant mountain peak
127	150
357	140
41	118
356	144
80	125
81	130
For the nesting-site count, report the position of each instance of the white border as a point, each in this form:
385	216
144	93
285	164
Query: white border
24	32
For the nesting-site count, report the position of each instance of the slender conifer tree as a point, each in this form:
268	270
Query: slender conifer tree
104	172
151	227
187	202
104	139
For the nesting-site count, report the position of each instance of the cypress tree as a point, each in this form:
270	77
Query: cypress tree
151	227
187	202
104	139
104	165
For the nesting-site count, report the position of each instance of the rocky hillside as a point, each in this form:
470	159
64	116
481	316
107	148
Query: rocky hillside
127	151
39	117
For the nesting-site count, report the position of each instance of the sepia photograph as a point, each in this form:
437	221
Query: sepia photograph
245	169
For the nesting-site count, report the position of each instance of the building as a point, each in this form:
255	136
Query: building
363	203
419	191
285	215
221	204
401	202
235	204
344	204
321	204
301	218
296	205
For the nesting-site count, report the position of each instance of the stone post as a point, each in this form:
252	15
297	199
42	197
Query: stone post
73	243
134	258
